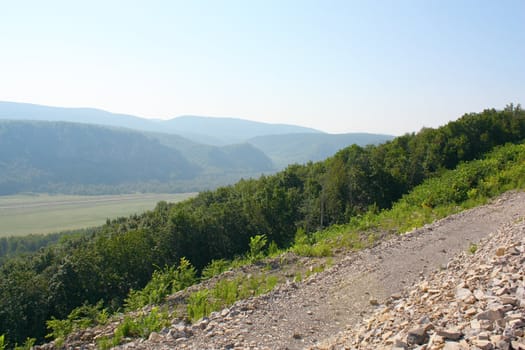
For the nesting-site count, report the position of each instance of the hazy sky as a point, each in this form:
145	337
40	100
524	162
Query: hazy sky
339	66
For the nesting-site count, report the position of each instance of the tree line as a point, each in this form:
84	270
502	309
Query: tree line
104	264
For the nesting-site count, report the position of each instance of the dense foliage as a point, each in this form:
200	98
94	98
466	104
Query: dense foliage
18	245
123	254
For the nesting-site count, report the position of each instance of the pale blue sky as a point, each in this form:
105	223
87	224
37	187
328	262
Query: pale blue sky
339	66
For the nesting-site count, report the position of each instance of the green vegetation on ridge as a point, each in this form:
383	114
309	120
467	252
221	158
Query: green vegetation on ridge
353	185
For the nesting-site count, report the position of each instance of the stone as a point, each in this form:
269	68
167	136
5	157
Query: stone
471	311
463	293
450	334
483	344
225	312
417	336
500	251
502	345
479	295
484	336
398	343
490	315
396	296
155	337
452	345
516	345
509	300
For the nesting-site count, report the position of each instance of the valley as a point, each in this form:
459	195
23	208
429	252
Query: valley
43	213
183	264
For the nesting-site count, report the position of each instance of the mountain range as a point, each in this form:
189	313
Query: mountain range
84	150
207	130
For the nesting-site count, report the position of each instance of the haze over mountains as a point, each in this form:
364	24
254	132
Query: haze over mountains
83	150
207	130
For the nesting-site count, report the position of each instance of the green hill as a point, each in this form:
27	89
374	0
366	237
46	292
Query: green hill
208	142
351	186
219	159
38	156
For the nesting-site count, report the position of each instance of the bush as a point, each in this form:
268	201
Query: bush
257	244
80	318
273	249
28	344
134	327
163	282
216	267
198	305
227	292
320	249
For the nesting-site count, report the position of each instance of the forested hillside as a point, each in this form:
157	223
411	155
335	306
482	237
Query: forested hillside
80	158
123	254
218	159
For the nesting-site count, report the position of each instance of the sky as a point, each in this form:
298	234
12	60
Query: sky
339	66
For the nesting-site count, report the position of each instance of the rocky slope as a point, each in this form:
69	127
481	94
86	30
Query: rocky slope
406	288
476	302
295	316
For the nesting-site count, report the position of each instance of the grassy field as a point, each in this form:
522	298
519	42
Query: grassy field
31	213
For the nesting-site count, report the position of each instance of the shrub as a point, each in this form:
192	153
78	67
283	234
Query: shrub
139	326
225	293
163	282
273	249
320	249
214	268
198	305
80	318
3	344
28	344
257	244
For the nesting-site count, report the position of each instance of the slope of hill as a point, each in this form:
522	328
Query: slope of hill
300	148
219	159
214	131
71	157
476	302
283	210
304	314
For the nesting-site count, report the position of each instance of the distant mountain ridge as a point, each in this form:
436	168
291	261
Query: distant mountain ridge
207	130
43	156
232	129
301	148
199	152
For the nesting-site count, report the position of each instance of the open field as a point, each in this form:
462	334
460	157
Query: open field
42	213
